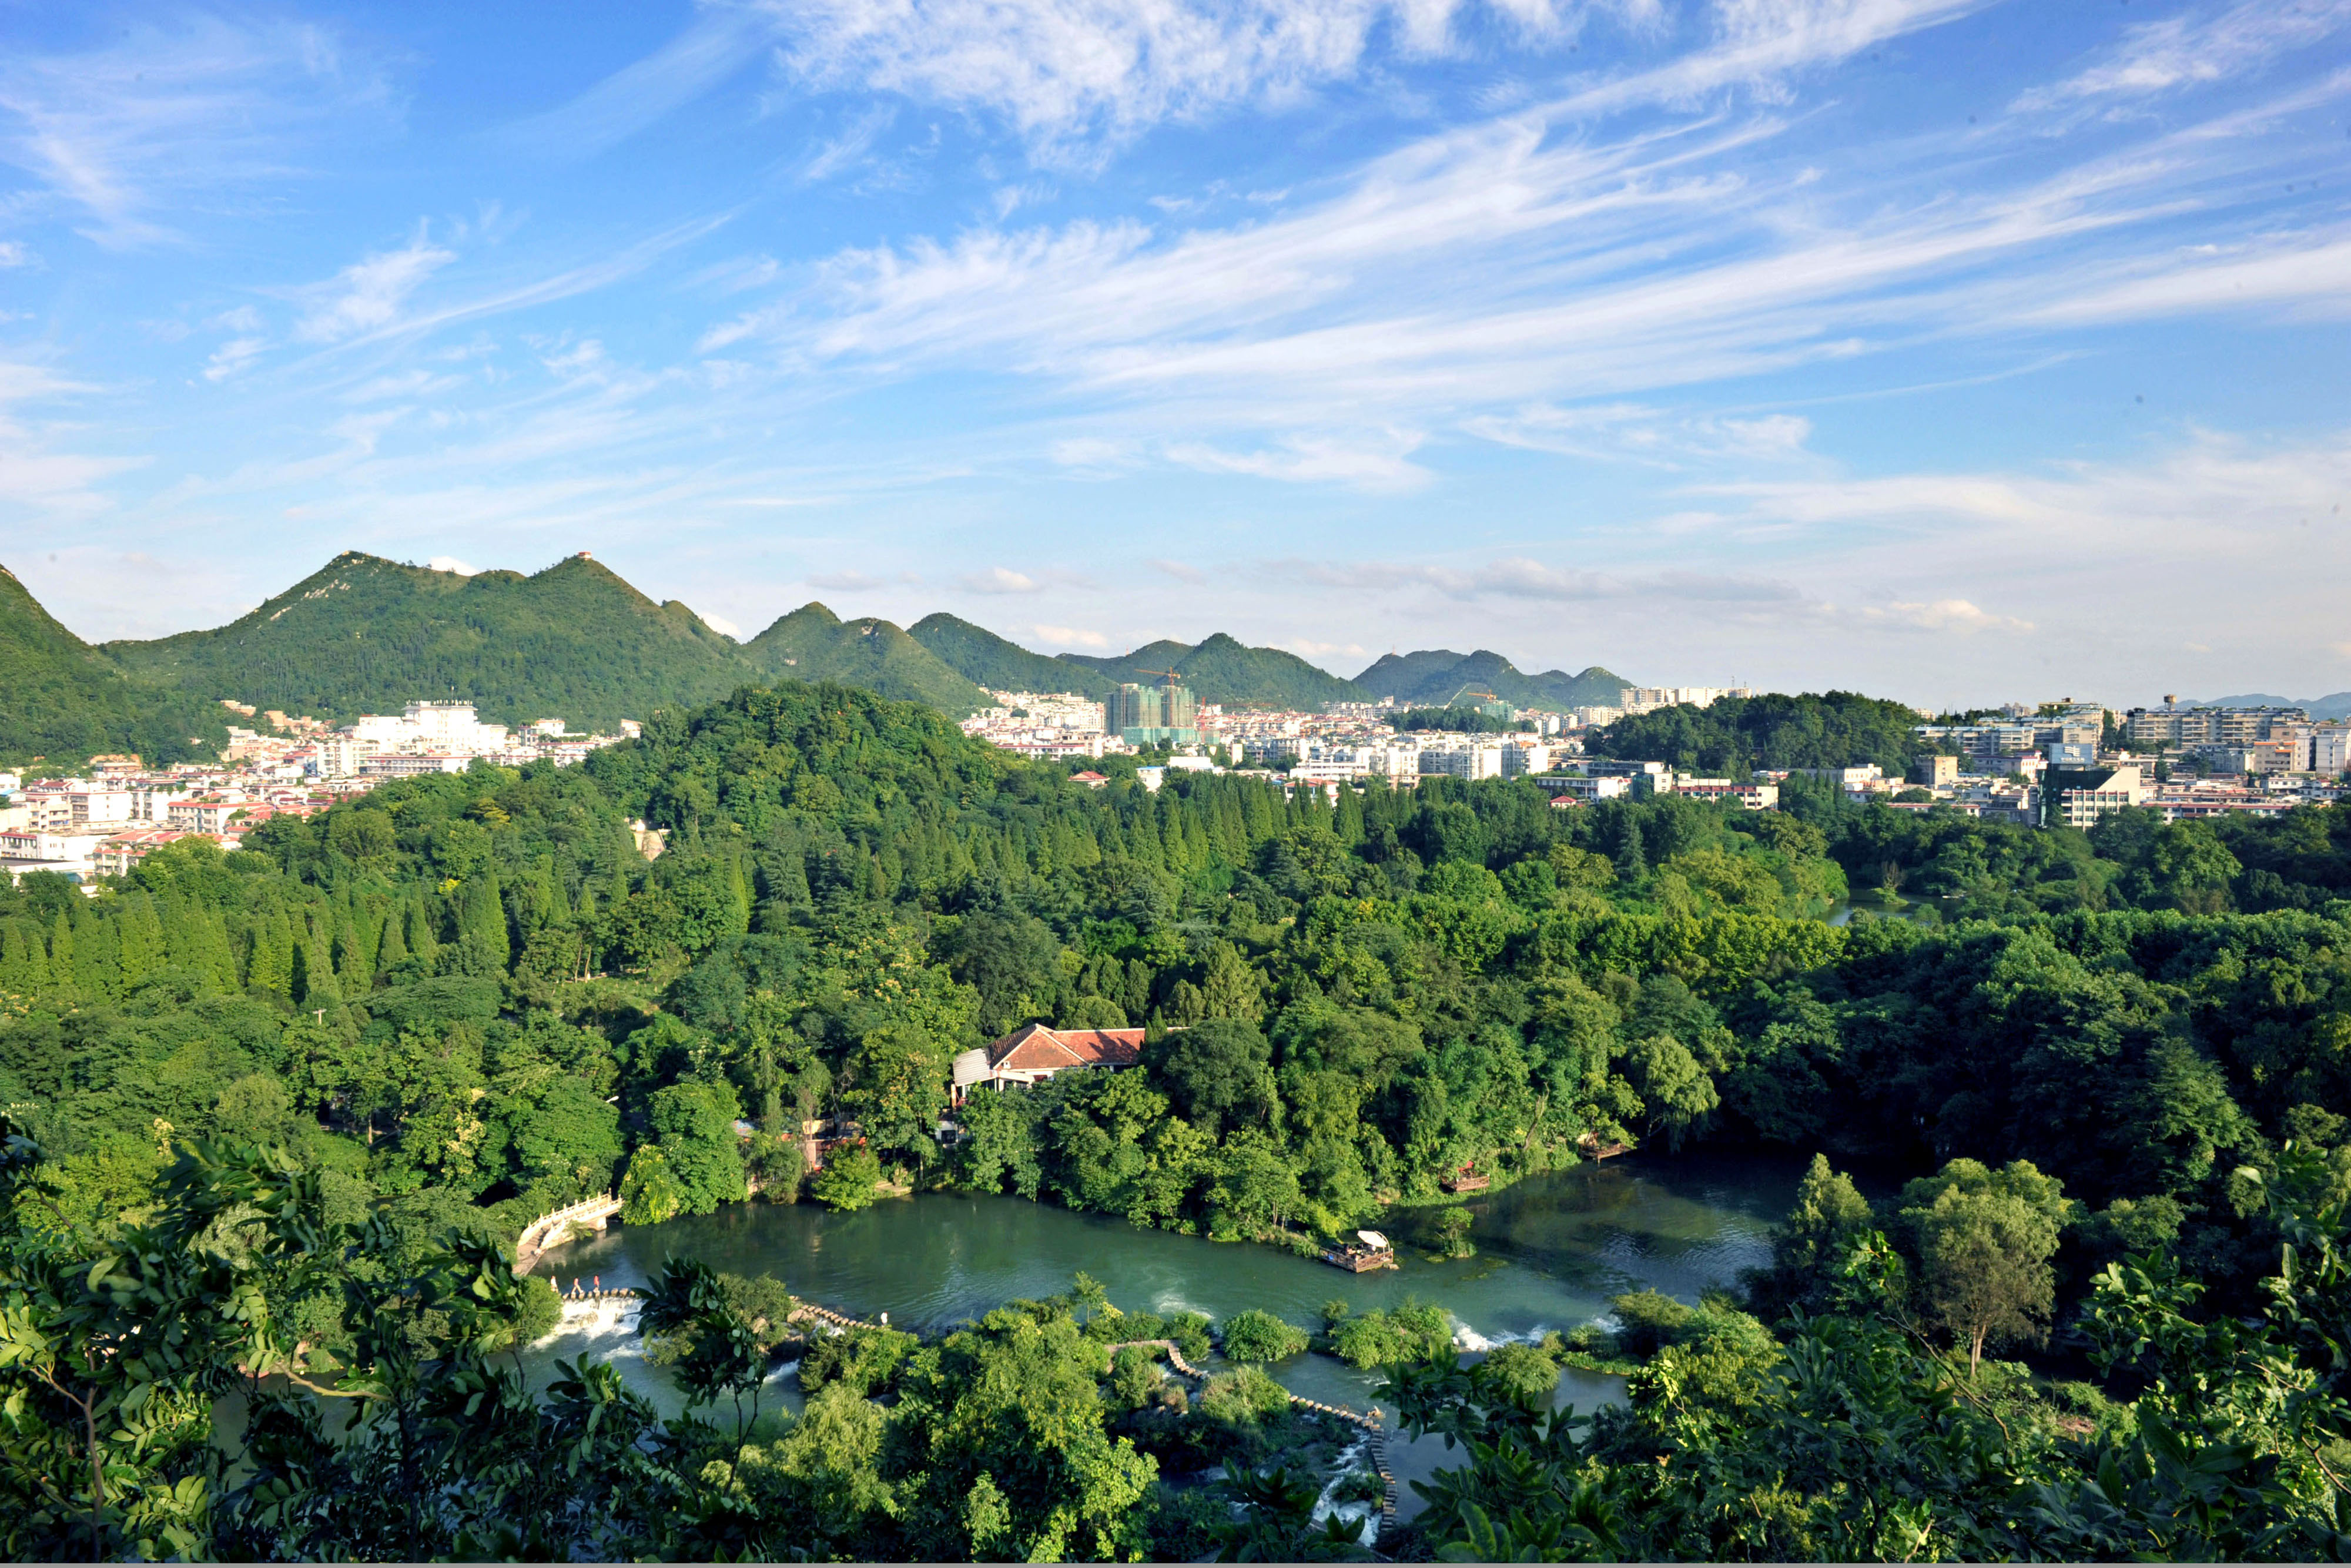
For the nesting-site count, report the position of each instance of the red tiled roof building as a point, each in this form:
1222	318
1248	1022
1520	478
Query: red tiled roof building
1033	1053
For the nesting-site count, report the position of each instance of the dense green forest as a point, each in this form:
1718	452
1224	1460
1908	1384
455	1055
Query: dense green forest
1468	720
63	700
1435	677
1734	735
2109	1067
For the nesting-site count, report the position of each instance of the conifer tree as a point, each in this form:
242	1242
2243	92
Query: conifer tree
97	956
392	947
64	974
269	965
138	938
424	942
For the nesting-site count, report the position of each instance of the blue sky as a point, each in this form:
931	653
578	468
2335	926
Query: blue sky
1947	349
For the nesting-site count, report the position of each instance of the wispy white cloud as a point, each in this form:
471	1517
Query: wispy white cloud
1379	465
1072	636
1512	279
1944	615
13	253
1073	76
39	474
367	295
1635	433
2311	275
234	356
2193	50
846	581
1518	577
128	136
998	580
449	563
721	41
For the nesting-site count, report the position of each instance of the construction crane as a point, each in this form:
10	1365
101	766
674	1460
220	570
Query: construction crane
1471	692
1170	674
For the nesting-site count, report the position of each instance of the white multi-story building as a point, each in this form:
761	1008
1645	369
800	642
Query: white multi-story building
1525	757
72	852
68	804
2330	749
1462	761
2080	808
1642	699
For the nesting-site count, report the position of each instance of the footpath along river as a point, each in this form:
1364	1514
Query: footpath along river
1551	1251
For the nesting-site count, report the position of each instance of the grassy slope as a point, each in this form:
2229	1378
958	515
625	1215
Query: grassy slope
366	635
61	699
812	643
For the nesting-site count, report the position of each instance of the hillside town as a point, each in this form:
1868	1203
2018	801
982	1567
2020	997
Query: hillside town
2059	763
104	822
2062	763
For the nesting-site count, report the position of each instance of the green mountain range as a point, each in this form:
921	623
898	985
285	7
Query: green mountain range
1003	665
1221	670
812	643
63	700
366	635
1433	677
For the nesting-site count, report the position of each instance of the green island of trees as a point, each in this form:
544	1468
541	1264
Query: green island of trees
280	1114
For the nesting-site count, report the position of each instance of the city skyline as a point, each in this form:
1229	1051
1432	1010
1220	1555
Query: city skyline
1954	350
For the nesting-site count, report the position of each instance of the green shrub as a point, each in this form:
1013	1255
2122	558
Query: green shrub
1255	1335
1243	1398
864	1360
1409	1333
848	1179
1134	1378
775	1164
1648	1321
1525	1375
761	1301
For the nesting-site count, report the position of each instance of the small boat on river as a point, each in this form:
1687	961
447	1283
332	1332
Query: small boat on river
1369	1250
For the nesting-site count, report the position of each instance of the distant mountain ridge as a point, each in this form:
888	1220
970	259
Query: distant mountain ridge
1000	665
2333	706
1221	670
1433	677
365	634
575	641
812	643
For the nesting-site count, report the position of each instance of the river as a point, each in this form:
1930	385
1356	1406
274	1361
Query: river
1551	1251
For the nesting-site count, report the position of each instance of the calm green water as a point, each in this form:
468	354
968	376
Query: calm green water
1551	1251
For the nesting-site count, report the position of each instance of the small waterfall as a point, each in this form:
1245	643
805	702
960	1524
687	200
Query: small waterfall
598	1319
1325	1505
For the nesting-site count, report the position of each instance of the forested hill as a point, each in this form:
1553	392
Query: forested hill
1433	677
1001	665
812	643
2111	1068
62	700
366	635
1221	670
1736	735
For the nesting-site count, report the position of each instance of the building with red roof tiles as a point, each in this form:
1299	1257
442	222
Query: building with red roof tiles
1033	1053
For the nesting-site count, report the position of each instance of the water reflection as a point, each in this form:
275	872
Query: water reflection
1551	1250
